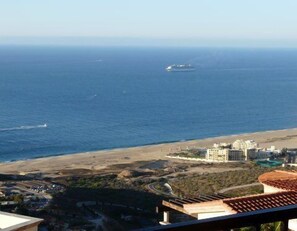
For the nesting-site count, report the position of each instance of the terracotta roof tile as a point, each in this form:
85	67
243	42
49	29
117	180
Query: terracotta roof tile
279	179
286	180
290	185
262	201
278	175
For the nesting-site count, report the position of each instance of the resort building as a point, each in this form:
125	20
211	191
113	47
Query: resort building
242	145
290	157
249	147
238	151
251	154
15	222
273	150
222	145
280	189
224	155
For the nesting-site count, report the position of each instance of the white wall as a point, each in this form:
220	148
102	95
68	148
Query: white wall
270	189
211	215
293	224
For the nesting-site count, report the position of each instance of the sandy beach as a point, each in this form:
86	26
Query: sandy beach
99	160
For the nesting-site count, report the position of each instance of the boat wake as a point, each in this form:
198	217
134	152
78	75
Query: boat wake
92	97
23	127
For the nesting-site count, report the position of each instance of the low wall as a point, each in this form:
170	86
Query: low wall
203	160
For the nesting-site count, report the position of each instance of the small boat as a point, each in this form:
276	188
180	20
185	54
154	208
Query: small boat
180	68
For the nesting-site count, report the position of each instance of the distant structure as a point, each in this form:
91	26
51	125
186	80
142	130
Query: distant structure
15	222
291	156
222	145
248	144
249	147
224	155
240	150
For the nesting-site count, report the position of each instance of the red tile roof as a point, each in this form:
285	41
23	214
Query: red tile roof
286	180
277	175
290	185
262	201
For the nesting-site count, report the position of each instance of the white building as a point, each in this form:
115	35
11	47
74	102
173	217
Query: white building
249	147
242	145
222	145
224	155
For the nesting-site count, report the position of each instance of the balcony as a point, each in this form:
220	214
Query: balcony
249	219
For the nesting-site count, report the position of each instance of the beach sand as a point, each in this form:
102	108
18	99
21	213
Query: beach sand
99	160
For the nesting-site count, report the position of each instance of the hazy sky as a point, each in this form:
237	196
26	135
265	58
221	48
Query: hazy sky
193	21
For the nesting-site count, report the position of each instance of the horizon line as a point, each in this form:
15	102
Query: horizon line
147	42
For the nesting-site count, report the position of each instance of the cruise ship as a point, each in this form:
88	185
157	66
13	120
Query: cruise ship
180	67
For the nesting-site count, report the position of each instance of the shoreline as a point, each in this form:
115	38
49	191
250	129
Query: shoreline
98	160
144	145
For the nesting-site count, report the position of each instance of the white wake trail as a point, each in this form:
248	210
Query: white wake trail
23	127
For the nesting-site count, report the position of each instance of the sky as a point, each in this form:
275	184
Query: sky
187	22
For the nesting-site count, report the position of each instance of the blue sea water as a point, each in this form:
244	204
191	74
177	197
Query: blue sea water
94	98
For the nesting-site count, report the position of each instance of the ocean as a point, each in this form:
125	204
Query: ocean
95	98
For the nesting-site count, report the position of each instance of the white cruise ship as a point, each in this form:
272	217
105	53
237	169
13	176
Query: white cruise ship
180	67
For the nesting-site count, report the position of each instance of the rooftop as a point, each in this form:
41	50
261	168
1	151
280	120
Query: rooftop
195	205
285	180
290	185
14	222
182	204
261	201
278	175
240	220
204	207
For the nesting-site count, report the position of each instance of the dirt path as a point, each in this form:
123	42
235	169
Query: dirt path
238	187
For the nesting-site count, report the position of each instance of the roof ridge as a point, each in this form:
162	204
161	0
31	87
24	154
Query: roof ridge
283	179
287	172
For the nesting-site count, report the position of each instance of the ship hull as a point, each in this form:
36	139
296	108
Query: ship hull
180	70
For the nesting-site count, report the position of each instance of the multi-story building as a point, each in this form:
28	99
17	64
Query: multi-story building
222	145
250	154
291	156
224	155
241	144
249	147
